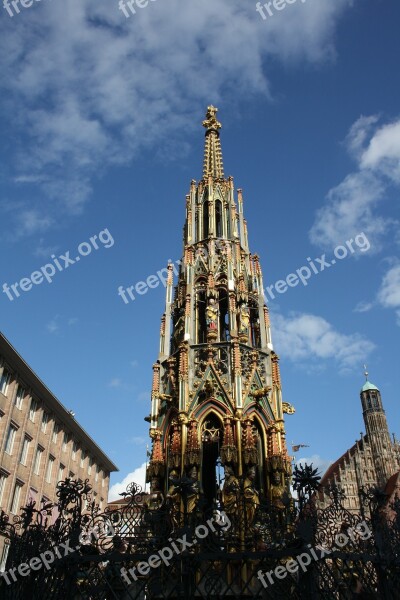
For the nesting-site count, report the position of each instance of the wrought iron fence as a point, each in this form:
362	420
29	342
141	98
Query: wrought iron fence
149	549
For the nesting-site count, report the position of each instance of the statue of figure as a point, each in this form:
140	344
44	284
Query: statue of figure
244	316
251	495
156	497
230	492
173	490
212	315
193	491
174	497
277	490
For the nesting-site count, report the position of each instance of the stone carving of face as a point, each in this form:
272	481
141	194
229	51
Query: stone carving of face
276	480
251	474
155	483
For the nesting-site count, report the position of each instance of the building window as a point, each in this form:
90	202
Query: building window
102	480
45	420
49	468
4	382
90	466
61	470
71	475
38	459
96	477
4	556
32	495
3	479
65	442
10	439
19	398
83	458
56	429
33	410
25	450
14	507
74	450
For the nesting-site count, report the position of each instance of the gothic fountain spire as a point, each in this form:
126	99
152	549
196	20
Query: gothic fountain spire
216	395
213	164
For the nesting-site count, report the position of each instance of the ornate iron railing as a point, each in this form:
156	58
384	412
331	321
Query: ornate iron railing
148	549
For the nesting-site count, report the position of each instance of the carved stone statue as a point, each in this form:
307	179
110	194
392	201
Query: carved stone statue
173	489
277	490
230	492
251	495
244	319
193	490
156	497
212	314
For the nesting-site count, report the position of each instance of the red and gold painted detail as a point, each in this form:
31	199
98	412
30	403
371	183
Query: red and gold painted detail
219	359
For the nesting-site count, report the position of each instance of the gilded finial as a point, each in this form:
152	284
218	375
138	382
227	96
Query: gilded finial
213	164
366	372
210	121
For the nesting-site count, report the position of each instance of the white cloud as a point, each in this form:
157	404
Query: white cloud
139	440
53	326
383	151
358	134
30	220
59	322
389	292
306	339
43	251
137	476
86	88
352	206
317	462
116	383
363	306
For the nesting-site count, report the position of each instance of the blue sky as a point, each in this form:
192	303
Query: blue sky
101	130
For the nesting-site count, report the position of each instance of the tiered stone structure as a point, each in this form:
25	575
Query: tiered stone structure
216	394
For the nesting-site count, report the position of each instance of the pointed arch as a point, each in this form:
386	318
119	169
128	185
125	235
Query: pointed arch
212	405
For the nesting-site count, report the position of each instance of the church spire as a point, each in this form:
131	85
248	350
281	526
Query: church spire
213	165
383	451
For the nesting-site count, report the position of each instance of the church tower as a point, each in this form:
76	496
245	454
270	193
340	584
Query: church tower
382	449
216	401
